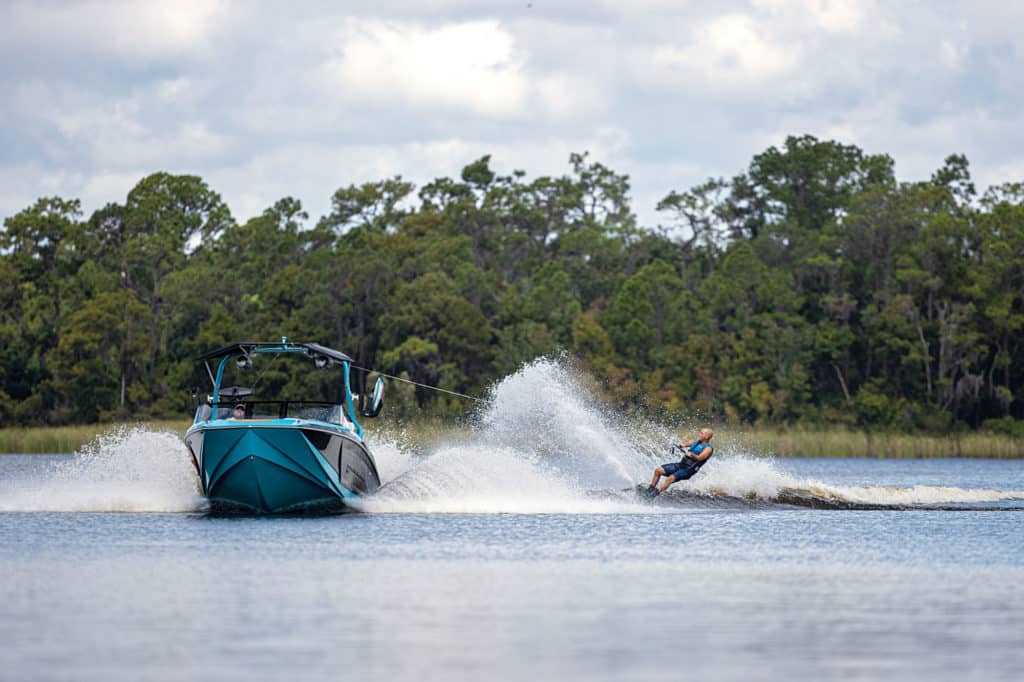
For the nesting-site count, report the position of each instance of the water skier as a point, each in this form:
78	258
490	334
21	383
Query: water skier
696	452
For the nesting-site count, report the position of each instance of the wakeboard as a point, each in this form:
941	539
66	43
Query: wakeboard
643	490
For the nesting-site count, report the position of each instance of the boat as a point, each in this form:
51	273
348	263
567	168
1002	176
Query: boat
283	454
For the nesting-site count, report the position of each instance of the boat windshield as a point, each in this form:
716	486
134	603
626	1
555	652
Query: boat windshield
332	414
312	410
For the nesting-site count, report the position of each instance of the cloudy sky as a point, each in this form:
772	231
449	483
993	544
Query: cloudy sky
265	100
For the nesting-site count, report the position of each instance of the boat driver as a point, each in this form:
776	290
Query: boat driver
697	452
238	412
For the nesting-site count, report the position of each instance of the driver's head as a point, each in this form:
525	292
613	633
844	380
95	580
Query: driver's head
239	410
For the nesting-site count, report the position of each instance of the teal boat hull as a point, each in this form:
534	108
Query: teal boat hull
280	466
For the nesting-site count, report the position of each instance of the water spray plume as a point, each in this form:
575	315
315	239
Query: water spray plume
125	470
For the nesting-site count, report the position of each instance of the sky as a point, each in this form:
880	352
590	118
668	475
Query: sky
271	99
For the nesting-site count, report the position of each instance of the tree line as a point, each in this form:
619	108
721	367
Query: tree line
811	288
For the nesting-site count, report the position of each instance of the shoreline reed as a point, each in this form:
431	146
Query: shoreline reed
56	440
844	443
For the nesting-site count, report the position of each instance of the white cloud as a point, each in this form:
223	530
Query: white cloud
123	133
729	51
833	16
838	15
564	96
175	89
137	30
467	66
952	55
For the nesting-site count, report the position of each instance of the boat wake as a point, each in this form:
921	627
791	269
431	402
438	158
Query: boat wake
741	481
541	444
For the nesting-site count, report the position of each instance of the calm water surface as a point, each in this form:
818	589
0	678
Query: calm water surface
622	591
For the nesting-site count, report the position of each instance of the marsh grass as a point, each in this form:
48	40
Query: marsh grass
842	443
63	439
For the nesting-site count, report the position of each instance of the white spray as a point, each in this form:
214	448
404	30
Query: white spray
125	470
541	444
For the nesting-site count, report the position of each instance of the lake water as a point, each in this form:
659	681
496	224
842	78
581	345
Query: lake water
492	558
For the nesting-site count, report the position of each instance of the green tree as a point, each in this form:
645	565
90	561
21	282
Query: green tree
645	315
996	287
97	360
166	219
39	255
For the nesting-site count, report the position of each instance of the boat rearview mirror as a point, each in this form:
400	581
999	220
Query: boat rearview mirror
376	402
